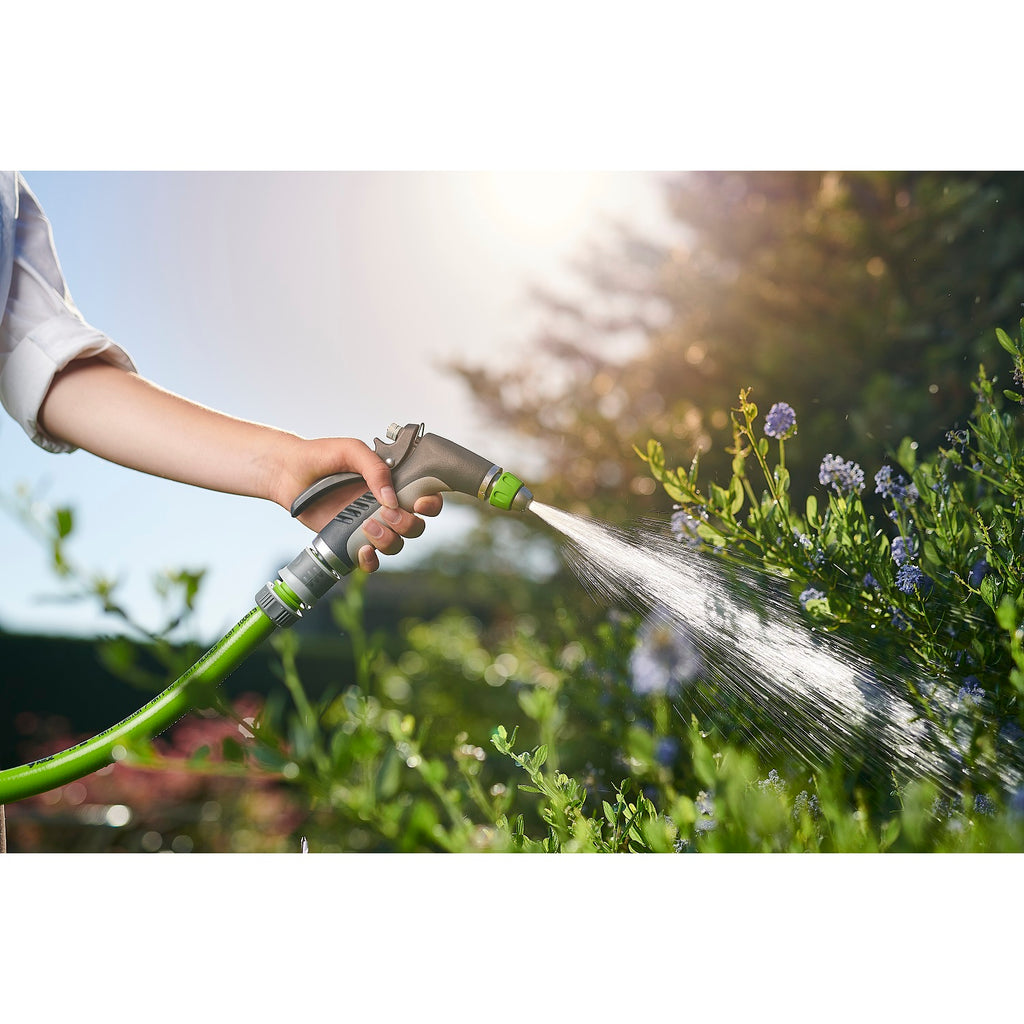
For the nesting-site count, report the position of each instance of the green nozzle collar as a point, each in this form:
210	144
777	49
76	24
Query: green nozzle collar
504	490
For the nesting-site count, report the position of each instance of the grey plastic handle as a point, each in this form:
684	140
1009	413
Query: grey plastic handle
322	487
433	466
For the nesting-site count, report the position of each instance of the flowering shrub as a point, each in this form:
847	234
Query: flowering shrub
935	585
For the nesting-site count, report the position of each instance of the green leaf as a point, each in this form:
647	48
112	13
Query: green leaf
736	495
705	532
65	522
906	455
812	510
232	749
676	493
1006	341
990	591
200	756
656	456
1006	614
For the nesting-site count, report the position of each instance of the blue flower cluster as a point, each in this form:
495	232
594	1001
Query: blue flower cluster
899	489
814	555
911	579
666	750
979	571
780	422
844	477
811	594
773	784
903	549
664	658
804	804
684	527
971	693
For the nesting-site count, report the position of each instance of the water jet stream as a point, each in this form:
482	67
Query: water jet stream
822	698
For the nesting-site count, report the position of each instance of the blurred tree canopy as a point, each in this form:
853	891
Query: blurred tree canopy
865	300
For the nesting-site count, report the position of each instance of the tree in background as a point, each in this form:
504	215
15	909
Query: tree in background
864	299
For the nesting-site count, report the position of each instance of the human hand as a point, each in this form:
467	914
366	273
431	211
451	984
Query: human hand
310	460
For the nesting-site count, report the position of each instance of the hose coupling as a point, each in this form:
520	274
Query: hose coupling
275	602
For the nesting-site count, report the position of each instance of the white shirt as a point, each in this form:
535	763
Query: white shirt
41	329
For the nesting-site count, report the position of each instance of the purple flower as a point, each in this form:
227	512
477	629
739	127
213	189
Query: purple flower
911	579
844	477
684	527
666	750
811	594
780	422
984	805
804	804
903	549
664	657
970	694
978	572
902	491
773	784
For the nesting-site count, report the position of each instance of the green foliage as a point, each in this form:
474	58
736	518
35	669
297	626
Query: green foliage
147	656
938	580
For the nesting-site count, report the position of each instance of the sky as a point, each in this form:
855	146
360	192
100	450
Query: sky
324	303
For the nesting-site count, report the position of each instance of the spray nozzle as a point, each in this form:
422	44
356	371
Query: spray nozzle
420	464
424	464
509	492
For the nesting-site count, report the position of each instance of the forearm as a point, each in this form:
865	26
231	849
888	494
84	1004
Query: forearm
124	418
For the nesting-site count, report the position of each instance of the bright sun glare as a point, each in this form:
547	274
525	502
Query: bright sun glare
540	205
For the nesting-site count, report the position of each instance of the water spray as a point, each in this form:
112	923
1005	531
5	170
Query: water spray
420	464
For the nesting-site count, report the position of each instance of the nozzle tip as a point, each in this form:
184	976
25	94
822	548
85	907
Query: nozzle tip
522	500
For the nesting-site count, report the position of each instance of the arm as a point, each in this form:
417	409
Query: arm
123	418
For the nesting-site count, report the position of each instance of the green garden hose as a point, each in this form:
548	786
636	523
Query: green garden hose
159	714
420	464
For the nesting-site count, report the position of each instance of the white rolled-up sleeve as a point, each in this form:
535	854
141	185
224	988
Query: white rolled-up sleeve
41	331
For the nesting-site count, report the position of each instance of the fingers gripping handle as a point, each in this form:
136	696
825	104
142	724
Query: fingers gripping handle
343	536
422	464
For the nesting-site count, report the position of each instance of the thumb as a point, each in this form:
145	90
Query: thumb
372	468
